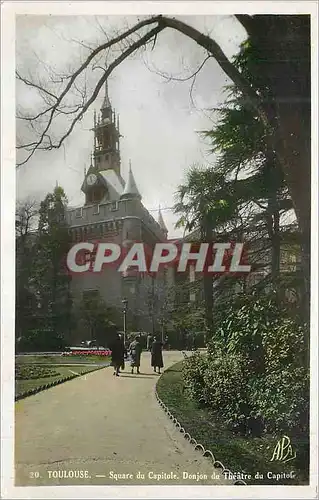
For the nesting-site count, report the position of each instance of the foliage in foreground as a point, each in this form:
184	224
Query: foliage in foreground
254	376
238	453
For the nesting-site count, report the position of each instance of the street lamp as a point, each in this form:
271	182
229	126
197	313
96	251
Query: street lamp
162	325
124	302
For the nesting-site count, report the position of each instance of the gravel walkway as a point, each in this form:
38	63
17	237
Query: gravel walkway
105	430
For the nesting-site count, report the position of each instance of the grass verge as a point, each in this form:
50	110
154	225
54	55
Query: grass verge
23	386
239	454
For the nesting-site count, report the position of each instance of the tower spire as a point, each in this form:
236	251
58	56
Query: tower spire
131	189
106	154
106	103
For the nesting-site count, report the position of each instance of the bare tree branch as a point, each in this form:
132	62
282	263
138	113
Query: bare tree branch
34	85
161	22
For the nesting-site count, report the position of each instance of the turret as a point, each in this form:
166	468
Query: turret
106	109
162	223
130	189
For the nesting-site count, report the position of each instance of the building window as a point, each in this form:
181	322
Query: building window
96	209
78	213
95	195
114	206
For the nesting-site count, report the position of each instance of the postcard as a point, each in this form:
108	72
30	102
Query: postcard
159	274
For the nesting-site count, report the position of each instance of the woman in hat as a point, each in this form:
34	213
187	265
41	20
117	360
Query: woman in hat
135	350
157	355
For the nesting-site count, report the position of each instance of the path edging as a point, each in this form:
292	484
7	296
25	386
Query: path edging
197	446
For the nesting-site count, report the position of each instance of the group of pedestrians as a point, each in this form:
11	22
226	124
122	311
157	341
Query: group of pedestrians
134	352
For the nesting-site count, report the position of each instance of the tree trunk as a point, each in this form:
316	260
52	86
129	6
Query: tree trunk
282	40
275	258
207	237
295	157
273	225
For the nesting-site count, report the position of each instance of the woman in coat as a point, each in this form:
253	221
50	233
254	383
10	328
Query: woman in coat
149	342
117	354
135	351
157	356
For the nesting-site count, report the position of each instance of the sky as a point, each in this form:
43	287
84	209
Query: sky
160	119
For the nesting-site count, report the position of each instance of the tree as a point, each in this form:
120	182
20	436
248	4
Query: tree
98	318
282	46
239	141
249	207
273	36
26	215
49	277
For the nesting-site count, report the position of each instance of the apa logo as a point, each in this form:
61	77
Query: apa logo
283	451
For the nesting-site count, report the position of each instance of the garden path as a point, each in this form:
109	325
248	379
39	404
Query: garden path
103	424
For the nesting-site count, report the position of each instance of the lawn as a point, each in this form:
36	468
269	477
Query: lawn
239	454
36	376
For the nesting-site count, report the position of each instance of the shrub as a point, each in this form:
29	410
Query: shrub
225	387
282	398
194	369
254	376
247	322
284	345
41	340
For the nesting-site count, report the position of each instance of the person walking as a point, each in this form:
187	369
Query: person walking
123	347
135	350
149	342
117	354
157	355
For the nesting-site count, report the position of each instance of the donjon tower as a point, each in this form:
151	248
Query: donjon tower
113	211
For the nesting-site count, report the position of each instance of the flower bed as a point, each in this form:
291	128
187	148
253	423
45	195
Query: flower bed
95	352
27	372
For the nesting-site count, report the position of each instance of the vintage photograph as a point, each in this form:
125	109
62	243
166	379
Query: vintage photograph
162	249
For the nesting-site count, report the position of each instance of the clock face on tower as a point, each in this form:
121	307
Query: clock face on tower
91	179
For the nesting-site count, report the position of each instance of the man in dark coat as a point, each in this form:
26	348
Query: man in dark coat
157	356
117	348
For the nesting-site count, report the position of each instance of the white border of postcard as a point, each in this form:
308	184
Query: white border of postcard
9	9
